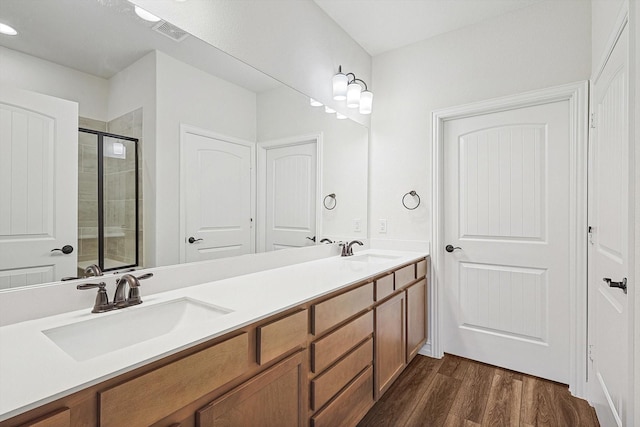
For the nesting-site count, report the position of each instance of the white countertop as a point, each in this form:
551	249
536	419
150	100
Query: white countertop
35	371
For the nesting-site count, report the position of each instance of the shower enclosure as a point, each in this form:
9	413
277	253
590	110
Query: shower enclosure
108	195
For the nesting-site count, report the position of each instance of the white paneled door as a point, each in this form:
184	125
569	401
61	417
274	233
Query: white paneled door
290	201
610	241
506	219
38	187
217	196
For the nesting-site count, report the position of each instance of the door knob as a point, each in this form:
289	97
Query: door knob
451	248
66	249
193	240
622	285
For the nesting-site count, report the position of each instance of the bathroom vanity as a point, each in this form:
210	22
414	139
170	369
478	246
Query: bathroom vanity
315	343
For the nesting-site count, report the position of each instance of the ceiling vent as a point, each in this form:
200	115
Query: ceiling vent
169	30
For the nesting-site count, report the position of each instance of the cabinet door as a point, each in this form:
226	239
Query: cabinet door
390	342
416	318
273	398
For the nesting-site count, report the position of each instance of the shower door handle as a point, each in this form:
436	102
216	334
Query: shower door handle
66	249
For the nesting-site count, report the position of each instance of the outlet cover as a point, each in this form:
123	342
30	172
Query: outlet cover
382	227
357	225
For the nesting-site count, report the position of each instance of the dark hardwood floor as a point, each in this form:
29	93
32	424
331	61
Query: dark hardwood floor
454	391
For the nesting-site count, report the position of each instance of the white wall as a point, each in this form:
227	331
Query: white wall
35	74
186	95
540	46
284	113
294	42
130	89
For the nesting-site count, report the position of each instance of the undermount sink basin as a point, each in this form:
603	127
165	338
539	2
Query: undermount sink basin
104	334
372	258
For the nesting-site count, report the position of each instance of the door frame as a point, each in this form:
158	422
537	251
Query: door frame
186	129
577	96
262	148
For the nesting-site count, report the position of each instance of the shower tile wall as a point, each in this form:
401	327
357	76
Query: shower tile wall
119	194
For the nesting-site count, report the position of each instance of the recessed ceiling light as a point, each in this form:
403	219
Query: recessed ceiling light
146	15
7	30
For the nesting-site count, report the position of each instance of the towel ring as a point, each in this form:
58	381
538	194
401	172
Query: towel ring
414	194
330	196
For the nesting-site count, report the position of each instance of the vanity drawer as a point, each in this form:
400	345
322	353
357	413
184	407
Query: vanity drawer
60	418
329	313
325	386
163	391
421	269
350	406
405	275
327	350
384	287
278	337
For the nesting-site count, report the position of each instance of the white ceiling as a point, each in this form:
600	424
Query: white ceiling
382	25
102	37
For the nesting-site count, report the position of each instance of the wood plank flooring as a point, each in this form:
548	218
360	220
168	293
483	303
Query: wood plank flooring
458	392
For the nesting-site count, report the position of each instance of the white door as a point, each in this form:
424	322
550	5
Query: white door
38	187
290	196
217	200
610	241
506	194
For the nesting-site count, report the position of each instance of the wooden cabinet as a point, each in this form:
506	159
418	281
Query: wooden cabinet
273	398
390	340
416	318
323	363
163	391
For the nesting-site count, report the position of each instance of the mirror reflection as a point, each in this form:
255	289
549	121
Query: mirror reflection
229	161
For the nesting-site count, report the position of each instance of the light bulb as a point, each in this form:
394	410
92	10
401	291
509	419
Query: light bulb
329	110
353	95
340	116
314	103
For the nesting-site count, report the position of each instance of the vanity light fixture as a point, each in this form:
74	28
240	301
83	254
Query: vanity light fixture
340	116
314	103
329	110
147	16
354	90
7	30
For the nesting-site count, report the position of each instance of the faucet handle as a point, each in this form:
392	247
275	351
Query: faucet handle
102	299
145	276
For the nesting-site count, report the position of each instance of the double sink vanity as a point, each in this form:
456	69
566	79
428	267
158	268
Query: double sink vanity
314	343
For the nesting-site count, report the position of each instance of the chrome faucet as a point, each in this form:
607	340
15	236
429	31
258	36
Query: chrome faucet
133	298
347	248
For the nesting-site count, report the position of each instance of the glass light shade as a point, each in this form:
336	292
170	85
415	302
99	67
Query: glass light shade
340	82
147	16
353	95
340	116
314	103
366	102
329	110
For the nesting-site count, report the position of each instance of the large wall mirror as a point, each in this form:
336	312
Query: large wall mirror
172	151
